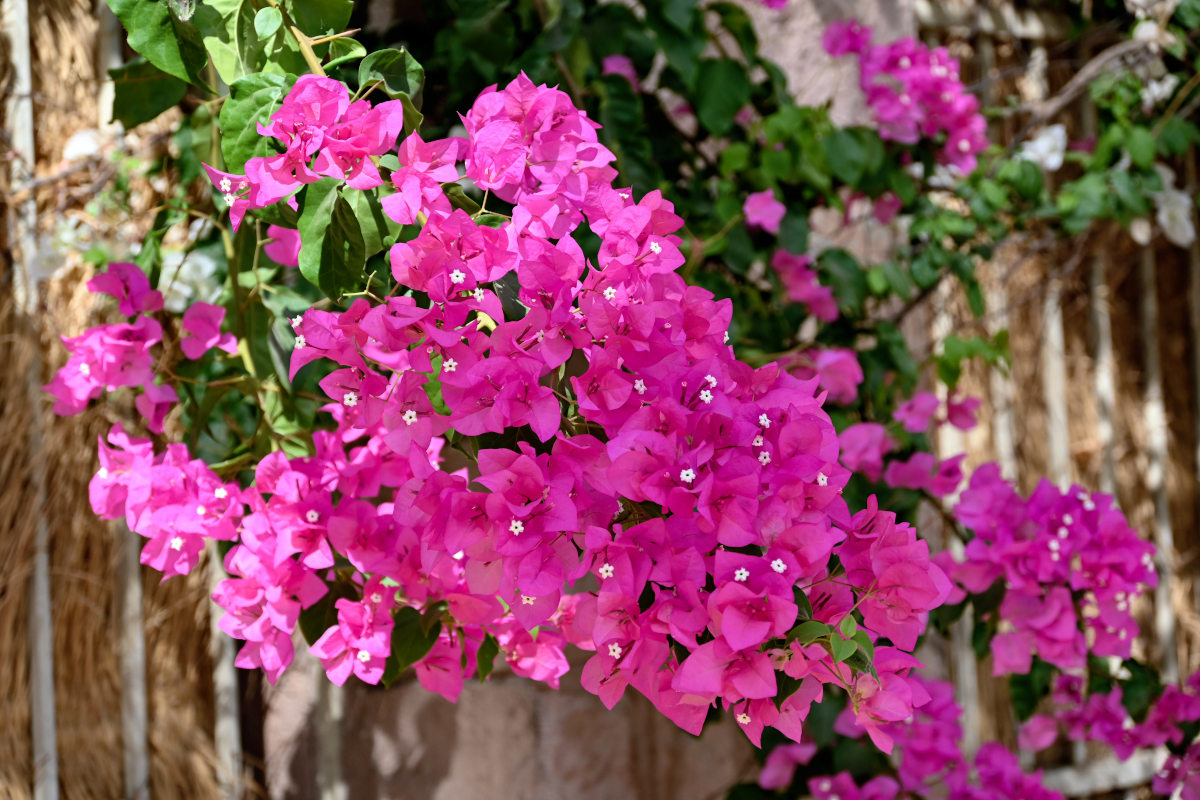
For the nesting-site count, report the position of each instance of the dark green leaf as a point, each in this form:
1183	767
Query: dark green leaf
1140	143
332	251
321	17
1028	690
143	91
846	155
411	641
842	648
168	43
396	70
725	89
251	100
485	656
808	632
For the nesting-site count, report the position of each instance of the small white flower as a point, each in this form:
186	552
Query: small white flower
410	416
964	146
822	480
764	458
623	195
103	473
458	276
1055	556
687	475
364	656
1047	148
610	293
639	386
201	511
376	598
85	369
1055	545
905	62
527	600
706	395
516	527
655	248
1067	519
301	342
296	320
741	574
614	650
226	185
230	198
779	566
351	399
458	556
606	570
220	493
449	365
905	100
758	441
177	543
725	338
312	515
743	718
478	294
712	381
764	421
1088	505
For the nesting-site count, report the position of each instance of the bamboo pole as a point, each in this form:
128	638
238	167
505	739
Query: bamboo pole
22	222
1154	413
134	724
227	729
1054	385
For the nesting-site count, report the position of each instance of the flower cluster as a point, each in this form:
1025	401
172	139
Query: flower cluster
914	92
1047	550
492	455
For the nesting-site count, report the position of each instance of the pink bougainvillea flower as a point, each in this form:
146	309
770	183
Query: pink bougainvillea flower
154	403
130	286
915	414
617	64
762	210
960	411
284	247
202	329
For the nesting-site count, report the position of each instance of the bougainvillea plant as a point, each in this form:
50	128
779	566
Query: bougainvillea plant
485	393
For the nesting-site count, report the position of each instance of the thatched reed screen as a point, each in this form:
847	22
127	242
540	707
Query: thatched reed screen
1103	388
65	53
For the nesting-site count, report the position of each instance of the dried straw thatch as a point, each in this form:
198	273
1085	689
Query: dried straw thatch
83	550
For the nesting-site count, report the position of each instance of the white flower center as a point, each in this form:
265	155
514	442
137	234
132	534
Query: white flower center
516	527
226	185
458	276
779	566
610	293
822	480
220	493
706	395
527	600
687	475
743	718
301	342
606	570
639	386
614	650
201	511
764	458
712	381
764	421
312	515
85	369
409	417
376	598
177	543
655	248
103	473
449	365
758	441
364	656
741	574
296	320
351	399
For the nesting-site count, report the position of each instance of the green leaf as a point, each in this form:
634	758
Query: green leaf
848	279
379	231
399	74
846	156
143	91
808	632
485	656
1140	690
332	251
803	604
848	626
320	17
458	198
251	100
841	648
1028	690
412	640
168	43
343	50
322	615
267	21
1141	146
725	89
